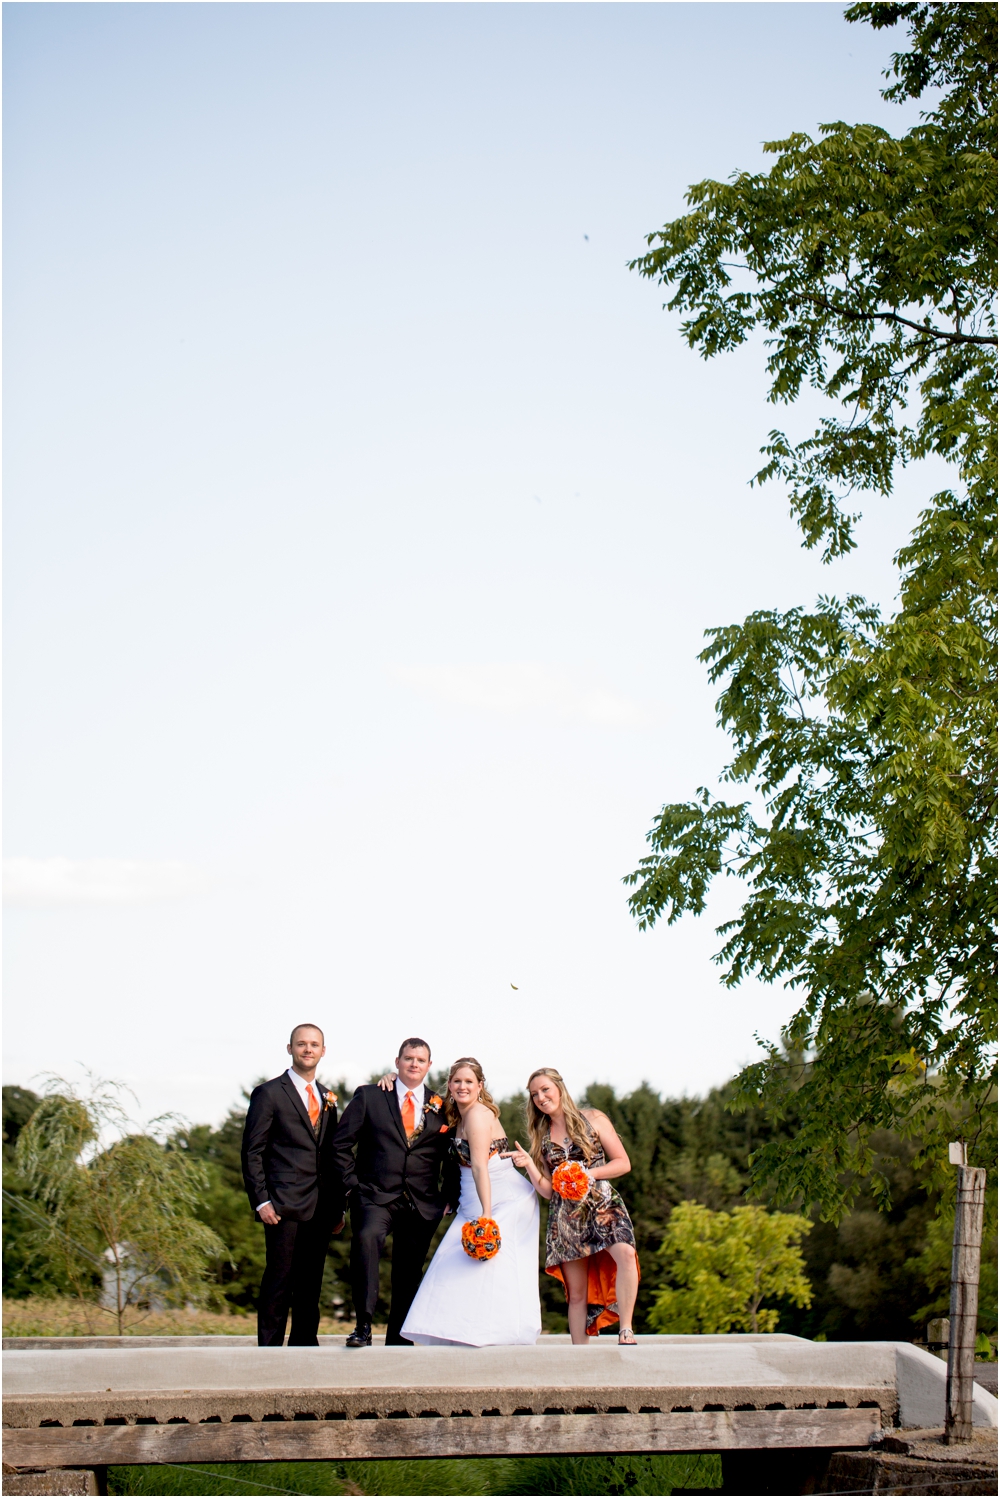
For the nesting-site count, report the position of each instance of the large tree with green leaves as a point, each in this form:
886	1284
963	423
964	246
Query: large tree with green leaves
122	1206
867	846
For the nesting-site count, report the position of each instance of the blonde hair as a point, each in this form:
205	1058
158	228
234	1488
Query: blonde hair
577	1127
451	1112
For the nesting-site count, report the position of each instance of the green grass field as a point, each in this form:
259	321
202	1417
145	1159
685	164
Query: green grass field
626	1475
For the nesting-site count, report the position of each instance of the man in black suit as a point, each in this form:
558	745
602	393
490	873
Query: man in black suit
294	1189
400	1182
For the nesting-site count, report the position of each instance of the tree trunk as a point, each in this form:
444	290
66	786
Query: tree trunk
119	1308
964	1303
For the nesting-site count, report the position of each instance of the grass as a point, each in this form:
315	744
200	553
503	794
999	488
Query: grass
65	1316
491	1477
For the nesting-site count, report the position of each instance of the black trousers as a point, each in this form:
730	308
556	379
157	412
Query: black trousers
411	1238
293	1277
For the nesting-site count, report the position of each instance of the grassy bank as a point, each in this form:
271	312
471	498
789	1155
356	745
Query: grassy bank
65	1316
540	1476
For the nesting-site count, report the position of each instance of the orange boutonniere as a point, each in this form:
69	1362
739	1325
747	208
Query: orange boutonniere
433	1102
330	1101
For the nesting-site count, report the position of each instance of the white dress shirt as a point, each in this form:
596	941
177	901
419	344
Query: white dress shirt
300	1087
418	1098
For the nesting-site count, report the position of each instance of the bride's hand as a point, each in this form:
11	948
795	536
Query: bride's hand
388	1082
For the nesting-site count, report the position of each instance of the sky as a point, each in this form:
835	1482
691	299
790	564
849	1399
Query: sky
364	516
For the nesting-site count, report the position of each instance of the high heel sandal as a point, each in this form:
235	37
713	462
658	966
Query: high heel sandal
626	1337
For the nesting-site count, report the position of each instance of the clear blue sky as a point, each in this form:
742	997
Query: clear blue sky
364	515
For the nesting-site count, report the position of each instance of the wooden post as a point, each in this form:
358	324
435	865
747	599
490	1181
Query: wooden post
938	1337
964	1299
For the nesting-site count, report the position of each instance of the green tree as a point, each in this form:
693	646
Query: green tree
721	1267
129	1204
868	848
223	1205
24	1273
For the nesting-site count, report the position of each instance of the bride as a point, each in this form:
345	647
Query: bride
466	1301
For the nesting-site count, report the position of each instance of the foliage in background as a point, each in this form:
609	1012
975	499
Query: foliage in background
722	1266
875	1274
129	1204
224	1203
868	847
24	1272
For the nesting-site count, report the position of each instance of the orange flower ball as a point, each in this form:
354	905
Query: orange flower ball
481	1238
571	1181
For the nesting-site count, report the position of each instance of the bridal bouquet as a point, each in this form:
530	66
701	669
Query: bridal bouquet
570	1181
481	1238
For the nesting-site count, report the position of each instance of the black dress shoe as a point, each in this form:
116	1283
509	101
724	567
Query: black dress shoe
361	1335
398	1341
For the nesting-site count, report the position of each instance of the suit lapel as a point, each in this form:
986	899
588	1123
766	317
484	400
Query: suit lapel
296	1098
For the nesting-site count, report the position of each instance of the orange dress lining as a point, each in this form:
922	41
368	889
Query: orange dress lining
602	1279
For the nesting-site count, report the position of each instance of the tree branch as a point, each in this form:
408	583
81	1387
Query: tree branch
905	322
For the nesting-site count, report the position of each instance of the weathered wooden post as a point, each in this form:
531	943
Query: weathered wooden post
938	1337
964	1297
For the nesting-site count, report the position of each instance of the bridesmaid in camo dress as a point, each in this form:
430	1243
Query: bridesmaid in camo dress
589	1245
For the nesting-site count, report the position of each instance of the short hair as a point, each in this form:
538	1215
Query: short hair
306	1026
414	1043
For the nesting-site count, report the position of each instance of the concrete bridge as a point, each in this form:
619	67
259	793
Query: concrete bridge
94	1402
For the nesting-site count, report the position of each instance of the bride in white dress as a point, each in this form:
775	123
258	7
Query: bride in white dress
470	1302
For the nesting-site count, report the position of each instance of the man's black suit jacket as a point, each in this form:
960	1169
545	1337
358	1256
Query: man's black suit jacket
285	1162
388	1167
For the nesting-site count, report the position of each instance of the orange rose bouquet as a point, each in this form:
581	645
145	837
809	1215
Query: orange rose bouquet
481	1238
570	1181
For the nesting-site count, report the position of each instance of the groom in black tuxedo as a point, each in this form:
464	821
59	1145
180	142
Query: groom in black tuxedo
294	1189
401	1181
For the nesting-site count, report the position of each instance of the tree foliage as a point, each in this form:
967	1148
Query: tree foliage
722	1266
128	1204
868	847
870	264
876	1274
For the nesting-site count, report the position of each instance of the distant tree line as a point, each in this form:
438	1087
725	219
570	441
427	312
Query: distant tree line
876	1274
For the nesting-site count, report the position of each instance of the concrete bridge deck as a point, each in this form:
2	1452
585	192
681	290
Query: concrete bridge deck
224	1399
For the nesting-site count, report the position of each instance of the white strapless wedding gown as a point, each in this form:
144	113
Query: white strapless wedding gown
491	1303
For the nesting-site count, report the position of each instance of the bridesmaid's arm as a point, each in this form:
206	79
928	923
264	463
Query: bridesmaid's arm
617	1162
541	1182
478	1129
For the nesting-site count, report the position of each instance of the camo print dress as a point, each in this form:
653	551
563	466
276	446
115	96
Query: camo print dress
585	1230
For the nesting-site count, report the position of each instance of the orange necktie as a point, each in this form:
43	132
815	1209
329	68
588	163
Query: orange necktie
408	1115
313	1105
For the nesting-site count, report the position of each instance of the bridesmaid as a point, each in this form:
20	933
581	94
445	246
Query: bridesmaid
590	1244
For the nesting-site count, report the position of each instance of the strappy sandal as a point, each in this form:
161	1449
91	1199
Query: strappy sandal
626	1337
